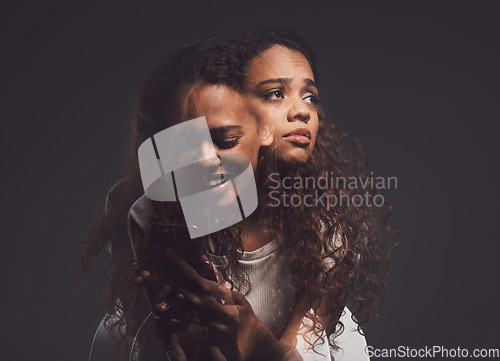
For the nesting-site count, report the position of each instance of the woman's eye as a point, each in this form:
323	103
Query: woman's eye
225	138
274	95
227	143
311	99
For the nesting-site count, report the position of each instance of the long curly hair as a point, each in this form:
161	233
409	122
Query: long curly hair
333	252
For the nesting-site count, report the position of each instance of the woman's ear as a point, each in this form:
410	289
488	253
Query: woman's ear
267	135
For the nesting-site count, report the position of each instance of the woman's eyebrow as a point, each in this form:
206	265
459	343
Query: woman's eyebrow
276	80
308	81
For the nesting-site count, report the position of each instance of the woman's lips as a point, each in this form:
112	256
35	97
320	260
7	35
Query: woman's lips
218	181
220	188
299	136
214	183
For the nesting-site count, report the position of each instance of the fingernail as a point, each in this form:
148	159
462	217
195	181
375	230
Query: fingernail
160	308
178	300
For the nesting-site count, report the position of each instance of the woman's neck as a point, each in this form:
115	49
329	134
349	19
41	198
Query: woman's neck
253	235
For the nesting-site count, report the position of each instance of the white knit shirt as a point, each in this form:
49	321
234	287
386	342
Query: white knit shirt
272	299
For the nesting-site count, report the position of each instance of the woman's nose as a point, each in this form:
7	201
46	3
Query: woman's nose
210	165
209	153
299	111
208	150
212	162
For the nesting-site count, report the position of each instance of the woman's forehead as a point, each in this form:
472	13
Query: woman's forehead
279	62
221	105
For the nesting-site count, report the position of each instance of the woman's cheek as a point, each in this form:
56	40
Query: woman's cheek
273	116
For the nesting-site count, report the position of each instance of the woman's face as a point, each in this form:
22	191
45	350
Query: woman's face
234	129
281	92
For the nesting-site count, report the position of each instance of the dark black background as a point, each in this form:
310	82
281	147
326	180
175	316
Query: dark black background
416	81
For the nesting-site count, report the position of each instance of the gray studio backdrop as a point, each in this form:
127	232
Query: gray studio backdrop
416	81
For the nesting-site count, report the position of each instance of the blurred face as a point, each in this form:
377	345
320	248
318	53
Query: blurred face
234	129
281	93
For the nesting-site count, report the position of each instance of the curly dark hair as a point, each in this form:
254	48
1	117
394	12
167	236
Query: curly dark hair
334	253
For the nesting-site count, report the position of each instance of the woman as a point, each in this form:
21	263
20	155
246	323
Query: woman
276	72
331	253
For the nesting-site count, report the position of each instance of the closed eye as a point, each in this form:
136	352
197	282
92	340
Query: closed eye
227	143
226	137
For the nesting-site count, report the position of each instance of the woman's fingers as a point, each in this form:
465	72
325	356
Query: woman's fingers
239	299
215	303
155	294
219	293
187	278
159	309
148	282
211	309
205	269
168	321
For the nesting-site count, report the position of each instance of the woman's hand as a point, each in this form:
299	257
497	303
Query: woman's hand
188	341
181	333
232	325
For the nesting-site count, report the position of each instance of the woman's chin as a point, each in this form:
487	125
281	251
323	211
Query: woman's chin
295	155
